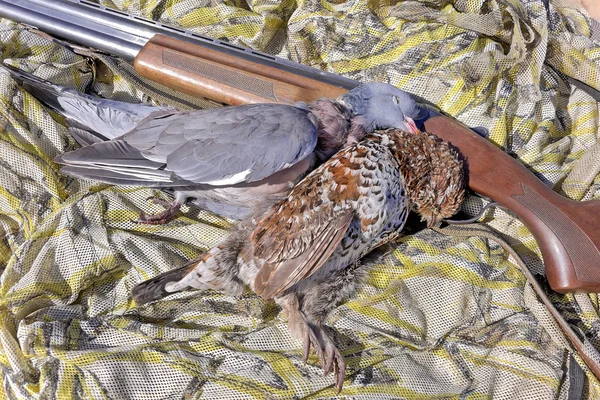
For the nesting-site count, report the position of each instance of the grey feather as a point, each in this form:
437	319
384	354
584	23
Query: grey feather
224	209
248	143
112	118
154	289
116	178
83	134
114	152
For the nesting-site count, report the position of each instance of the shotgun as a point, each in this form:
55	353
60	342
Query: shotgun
567	231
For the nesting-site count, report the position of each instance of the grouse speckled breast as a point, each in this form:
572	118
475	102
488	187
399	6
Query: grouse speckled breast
305	250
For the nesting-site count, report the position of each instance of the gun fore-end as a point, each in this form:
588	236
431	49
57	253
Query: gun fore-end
199	71
567	231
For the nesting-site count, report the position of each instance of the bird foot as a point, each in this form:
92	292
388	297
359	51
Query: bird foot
329	355
164	217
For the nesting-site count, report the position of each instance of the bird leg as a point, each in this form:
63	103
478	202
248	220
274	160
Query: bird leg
314	334
168	215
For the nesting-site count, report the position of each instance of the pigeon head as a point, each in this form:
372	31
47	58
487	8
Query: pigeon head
383	106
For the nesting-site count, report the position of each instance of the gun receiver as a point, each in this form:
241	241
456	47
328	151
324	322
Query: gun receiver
568	232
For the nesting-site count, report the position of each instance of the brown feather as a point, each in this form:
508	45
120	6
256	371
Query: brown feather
154	288
432	171
274	278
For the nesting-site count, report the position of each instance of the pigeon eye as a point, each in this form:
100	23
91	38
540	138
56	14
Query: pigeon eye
396	100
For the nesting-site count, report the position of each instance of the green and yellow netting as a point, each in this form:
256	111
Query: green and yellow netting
438	317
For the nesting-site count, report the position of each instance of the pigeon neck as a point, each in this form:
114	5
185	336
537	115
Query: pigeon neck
333	125
359	127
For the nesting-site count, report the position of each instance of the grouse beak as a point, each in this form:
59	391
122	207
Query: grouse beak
410	125
431	220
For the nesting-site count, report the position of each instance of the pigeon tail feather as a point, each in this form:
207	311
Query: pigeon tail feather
112	118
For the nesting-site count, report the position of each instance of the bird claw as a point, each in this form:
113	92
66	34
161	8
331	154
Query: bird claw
159	201
306	346
164	217
328	354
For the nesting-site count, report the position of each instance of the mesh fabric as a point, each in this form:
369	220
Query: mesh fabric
437	316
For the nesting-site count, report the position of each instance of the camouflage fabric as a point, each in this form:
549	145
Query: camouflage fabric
438	317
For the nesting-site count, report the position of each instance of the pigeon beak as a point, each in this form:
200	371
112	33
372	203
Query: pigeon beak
410	125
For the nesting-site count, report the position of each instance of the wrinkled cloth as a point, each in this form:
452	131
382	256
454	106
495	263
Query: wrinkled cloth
437	316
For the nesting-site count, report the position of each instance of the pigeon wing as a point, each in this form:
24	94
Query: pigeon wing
228	145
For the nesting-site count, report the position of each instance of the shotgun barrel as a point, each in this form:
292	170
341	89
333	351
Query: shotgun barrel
123	35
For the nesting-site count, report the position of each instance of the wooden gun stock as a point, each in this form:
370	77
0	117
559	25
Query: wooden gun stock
568	232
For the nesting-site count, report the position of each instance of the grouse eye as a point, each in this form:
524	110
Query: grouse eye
396	100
